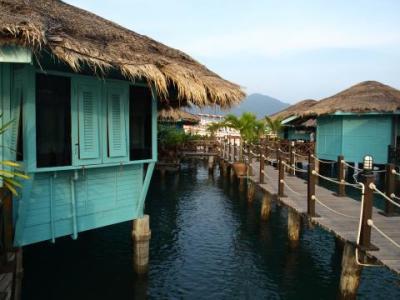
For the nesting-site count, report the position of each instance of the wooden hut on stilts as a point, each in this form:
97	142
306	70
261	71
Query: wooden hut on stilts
83	92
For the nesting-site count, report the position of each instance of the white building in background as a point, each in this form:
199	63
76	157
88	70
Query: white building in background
205	120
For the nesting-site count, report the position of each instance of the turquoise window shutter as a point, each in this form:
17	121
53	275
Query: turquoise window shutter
16	102
88	122
116	125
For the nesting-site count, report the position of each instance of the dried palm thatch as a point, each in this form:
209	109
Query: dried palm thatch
173	115
294	110
367	96
80	38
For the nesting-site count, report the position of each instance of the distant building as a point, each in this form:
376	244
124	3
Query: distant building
205	120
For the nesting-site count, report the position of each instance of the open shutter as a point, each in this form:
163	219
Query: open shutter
16	102
117	109
88	123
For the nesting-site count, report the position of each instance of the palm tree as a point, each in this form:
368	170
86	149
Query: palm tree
274	126
249	127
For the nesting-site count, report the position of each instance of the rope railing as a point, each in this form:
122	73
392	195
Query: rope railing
323	161
372	224
291	189
373	187
331	209
355	185
294	168
299	155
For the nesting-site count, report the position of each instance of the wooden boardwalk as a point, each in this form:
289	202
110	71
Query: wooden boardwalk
342	219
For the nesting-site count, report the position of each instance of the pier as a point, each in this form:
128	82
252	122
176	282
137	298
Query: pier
372	231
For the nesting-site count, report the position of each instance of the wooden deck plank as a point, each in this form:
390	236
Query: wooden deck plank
343	227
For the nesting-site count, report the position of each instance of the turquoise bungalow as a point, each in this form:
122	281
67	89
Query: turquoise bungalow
176	118
293	126
82	93
360	120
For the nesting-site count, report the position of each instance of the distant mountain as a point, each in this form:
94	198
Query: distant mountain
258	104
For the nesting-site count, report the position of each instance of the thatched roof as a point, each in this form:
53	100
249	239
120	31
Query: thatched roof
80	38
294	110
177	115
367	96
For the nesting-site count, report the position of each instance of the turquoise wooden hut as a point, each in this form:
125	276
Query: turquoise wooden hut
360	120
82	93
295	127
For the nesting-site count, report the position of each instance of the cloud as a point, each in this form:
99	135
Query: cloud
272	42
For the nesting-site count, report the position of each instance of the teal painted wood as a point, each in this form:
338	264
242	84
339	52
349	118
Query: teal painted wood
367	135
354	136
329	137
294	134
66	200
143	193
154	126
117	111
97	197
15	54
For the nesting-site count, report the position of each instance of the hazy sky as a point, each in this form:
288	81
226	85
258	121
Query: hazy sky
290	50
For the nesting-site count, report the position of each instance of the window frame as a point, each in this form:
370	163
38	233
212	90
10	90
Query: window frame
29	122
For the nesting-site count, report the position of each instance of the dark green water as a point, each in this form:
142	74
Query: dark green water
207	243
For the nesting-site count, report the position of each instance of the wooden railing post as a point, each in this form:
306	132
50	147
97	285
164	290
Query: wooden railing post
262	161
234	149
341	176
291	158
365	234
389	189
281	186
278	154
311	187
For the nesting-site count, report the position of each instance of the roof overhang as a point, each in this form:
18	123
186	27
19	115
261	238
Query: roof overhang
15	54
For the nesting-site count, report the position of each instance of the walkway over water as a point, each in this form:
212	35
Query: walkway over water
357	222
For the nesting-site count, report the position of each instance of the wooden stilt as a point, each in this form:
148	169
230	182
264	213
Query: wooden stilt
211	164
293	227
266	207
241	184
141	235
251	191
350	276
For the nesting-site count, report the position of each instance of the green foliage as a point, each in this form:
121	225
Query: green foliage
171	137
10	171
249	127
274	126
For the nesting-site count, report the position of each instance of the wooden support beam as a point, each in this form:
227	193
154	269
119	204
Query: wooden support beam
262	161
311	187
251	191
291	158
390	179
367	205
350	275
266	207
141	235
281	185
294	224
341	176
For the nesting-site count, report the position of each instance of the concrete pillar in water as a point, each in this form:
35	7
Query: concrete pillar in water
350	276
266	207
141	235
293	227
211	164
251	191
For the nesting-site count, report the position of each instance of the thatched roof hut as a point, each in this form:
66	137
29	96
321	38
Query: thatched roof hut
294	110
364	97
171	115
80	39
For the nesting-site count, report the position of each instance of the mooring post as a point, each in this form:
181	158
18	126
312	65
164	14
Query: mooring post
389	189
367	205
350	274
266	207
293	227
311	187
262	161
341	176
141	235
281	186
291	158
